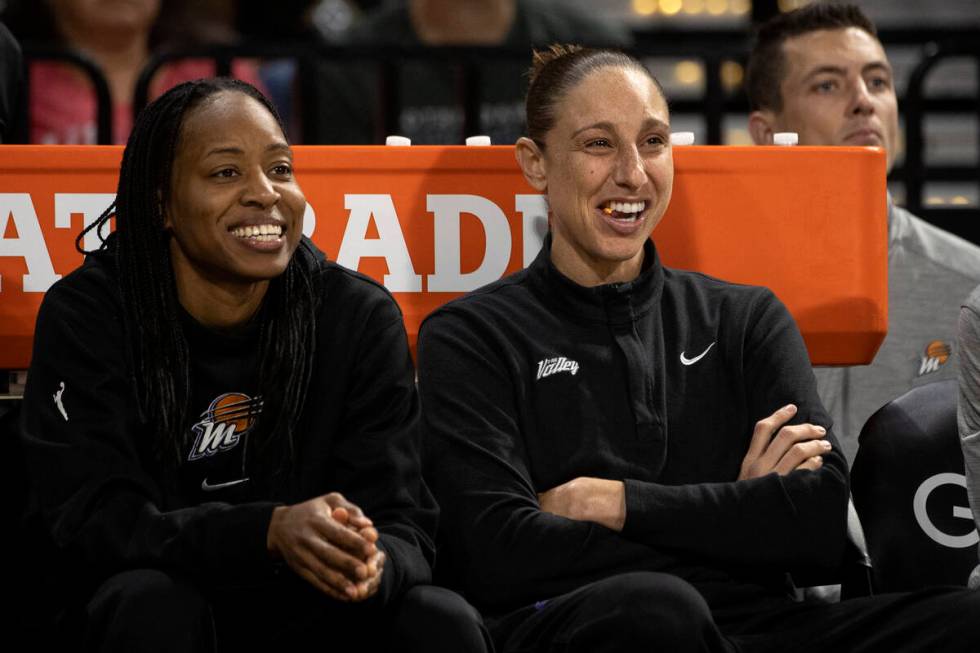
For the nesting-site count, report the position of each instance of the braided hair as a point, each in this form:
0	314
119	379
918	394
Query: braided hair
151	314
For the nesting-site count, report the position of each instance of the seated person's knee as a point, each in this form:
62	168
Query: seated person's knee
148	603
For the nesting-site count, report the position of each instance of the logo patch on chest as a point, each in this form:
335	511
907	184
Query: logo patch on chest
691	361
222	425
550	366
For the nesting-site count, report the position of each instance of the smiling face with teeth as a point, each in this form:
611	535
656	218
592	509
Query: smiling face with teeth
234	210
607	169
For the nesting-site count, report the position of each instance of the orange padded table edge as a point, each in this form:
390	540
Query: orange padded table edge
432	222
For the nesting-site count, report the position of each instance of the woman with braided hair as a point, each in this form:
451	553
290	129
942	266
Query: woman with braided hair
221	425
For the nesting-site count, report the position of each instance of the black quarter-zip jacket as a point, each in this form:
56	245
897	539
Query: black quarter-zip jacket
534	380
108	505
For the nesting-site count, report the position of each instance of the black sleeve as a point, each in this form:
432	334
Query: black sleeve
774	521
378	455
86	454
508	551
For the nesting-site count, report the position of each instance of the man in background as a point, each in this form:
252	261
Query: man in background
820	71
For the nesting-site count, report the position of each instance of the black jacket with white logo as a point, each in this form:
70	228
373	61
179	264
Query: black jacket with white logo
109	507
534	380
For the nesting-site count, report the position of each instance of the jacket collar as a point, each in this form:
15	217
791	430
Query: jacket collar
613	303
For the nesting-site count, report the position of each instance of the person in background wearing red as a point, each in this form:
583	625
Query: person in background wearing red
120	36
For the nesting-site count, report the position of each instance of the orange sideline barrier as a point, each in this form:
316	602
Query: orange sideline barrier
432	222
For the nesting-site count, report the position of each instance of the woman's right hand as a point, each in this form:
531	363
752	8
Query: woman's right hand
330	543
783	449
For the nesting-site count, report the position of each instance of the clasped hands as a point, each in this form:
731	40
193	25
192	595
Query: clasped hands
331	544
774	448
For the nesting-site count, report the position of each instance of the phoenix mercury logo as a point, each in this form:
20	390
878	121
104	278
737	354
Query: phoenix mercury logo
222	425
550	366
936	354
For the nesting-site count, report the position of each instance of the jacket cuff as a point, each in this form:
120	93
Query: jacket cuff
405	567
635	507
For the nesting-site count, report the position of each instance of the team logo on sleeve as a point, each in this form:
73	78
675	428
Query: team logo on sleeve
223	424
57	400
936	354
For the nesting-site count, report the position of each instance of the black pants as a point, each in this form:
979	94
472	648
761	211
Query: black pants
148	610
647	611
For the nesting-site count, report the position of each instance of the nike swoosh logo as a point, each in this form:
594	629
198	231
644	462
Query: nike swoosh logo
220	486
691	361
